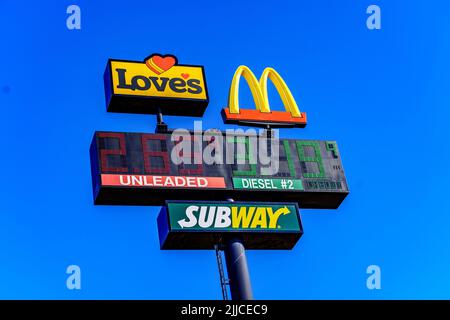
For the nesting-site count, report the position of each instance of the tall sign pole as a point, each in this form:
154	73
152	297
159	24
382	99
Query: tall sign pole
237	267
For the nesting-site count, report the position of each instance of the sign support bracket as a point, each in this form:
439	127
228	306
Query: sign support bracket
223	280
161	126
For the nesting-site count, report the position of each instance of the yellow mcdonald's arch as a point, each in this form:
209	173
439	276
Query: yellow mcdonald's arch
262	114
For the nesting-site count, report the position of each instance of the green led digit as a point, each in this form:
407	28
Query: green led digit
247	156
317	158
287	150
331	146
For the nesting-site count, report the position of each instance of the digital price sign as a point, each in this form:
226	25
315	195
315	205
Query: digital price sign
136	169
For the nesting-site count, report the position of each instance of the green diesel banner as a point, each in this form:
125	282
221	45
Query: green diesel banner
267	184
230	216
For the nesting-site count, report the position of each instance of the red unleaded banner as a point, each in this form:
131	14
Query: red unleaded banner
125	180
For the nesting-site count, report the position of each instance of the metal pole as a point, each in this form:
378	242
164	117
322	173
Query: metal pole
237	268
269	137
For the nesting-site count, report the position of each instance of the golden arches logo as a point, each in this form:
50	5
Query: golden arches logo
263	115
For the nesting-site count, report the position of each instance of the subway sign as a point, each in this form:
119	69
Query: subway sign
137	169
157	84
202	224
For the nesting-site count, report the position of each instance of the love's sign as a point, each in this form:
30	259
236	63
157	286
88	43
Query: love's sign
158	84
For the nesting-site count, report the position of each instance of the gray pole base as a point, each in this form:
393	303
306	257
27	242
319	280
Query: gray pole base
237	268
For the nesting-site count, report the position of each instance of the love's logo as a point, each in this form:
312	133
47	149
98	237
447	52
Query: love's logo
159	64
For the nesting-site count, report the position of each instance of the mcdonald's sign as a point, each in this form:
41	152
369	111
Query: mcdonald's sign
262	115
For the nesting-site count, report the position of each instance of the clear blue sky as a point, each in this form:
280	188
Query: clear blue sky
383	95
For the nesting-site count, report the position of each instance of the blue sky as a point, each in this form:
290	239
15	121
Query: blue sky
382	94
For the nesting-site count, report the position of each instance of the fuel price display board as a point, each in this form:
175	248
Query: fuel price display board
136	169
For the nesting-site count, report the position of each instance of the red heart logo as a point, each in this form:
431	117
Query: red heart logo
159	64
185	75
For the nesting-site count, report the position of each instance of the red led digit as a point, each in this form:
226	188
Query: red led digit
148	154
192	156
104	153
